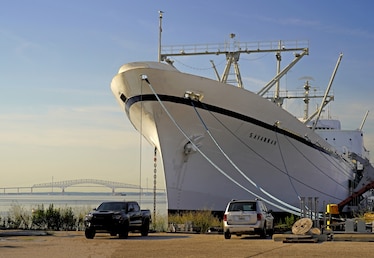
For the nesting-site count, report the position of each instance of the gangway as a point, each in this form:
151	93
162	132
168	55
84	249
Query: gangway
365	183
355	195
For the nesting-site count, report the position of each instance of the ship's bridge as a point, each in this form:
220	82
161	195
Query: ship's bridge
344	141
324	124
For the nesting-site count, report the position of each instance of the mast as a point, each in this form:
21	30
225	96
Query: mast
277	86
306	100
159	35
271	83
327	91
363	121
215	70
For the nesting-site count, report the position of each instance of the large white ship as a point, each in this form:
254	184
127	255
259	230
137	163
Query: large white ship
219	142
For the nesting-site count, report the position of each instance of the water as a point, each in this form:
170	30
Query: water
79	202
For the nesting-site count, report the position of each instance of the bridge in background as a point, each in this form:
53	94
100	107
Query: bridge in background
64	184
70	183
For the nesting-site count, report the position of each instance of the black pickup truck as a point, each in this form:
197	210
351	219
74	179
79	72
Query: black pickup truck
117	218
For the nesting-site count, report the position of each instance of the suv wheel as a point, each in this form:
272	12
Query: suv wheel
227	235
271	232
263	232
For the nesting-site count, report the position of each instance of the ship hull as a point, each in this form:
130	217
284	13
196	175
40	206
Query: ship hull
218	142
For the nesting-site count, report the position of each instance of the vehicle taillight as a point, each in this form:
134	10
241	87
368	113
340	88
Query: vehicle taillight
224	217
259	216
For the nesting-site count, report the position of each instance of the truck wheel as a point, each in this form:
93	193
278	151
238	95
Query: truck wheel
89	233
227	234
145	228
124	233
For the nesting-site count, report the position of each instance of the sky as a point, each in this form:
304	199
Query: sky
59	120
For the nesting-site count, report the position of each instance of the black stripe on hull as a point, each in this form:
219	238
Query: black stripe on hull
185	101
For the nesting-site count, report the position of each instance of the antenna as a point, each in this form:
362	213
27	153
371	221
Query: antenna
159	35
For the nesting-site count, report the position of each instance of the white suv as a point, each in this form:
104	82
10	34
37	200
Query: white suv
247	217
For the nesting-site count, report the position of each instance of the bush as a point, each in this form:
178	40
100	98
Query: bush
287	224
290	220
159	223
200	220
18	217
56	219
39	218
66	219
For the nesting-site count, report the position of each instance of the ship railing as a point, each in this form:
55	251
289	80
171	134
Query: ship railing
290	94
234	46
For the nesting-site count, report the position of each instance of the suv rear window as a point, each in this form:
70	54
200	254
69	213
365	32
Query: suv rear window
242	206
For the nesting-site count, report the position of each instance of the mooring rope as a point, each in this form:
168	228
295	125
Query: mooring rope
237	168
285	167
270	163
144	77
340	168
